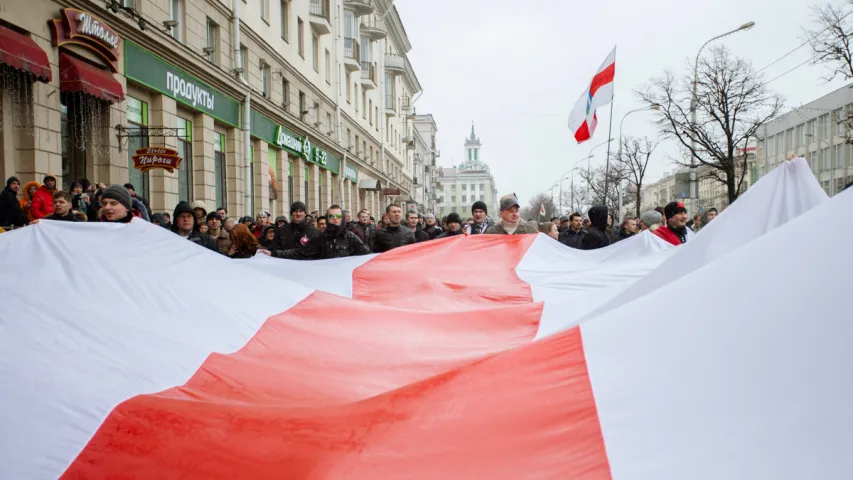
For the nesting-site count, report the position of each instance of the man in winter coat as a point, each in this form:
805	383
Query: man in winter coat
394	235
147	213
116	205
43	199
218	233
430	227
61	208
454	226
511	223
298	232
412	223
573	235
629	229
186	225
364	230
10	208
335	241
596	236
675	230
479	213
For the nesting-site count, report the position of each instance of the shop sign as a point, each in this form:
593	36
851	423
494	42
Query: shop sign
302	146
78	27
156	157
281	137
350	173
136	111
143	67
390	192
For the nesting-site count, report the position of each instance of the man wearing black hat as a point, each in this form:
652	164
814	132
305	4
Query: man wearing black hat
116	205
11	214
186	226
298	232
454	226
334	242
675	230
480	213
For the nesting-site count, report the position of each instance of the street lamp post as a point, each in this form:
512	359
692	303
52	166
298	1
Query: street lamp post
619	154
694	100
575	165
818	158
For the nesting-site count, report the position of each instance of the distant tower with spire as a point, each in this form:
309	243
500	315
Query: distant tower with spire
472	147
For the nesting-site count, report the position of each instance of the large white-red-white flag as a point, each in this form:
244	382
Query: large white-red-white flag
583	120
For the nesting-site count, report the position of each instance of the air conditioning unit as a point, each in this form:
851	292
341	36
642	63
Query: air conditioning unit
208	50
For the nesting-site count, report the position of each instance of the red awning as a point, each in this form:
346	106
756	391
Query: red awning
78	76
21	52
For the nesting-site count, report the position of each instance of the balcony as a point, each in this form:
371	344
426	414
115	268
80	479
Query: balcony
320	17
352	54
374	28
410	143
359	7
368	75
391	105
395	64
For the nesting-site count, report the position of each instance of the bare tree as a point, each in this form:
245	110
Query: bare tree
633	162
596	182
532	209
732	104
830	39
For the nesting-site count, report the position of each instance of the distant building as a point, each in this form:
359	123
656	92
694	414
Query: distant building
459	187
424	173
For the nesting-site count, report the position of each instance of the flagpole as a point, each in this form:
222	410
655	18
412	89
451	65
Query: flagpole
609	139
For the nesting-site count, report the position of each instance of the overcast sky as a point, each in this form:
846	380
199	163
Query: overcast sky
516	68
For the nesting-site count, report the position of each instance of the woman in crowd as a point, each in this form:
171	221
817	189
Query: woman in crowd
550	229
30	189
243	242
268	238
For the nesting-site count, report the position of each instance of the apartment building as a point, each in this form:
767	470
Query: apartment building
459	187
425	154
816	131
250	104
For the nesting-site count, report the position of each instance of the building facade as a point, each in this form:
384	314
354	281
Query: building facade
424	130
248	104
459	187
818	131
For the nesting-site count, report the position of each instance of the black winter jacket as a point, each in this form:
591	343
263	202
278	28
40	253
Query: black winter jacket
596	236
389	238
68	217
433	231
335	242
365	233
294	235
10	209
571	238
450	234
421	236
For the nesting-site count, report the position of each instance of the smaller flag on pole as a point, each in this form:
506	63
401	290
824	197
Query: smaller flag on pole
541	209
599	93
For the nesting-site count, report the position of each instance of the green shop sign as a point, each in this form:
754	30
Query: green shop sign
152	71
281	137
350	173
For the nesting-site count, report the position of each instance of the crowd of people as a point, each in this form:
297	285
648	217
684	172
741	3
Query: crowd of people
330	234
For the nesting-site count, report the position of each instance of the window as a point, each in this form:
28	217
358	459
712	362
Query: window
185	150
453	187
376	115
370	110
482	198
285	94
212	40
176	14
482	187
285	20
329	122
328	67
137	121
826	156
219	172
266	79
355	86
244	60
363	103
453	199
300	32
464	187
839	155
315	52
800	137
316	113
464	198
349	88
827	126
265	11
302	106
357	141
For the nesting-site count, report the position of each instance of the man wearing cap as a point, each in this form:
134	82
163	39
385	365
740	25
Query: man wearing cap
11	213
296	233
510	223
218	233
565	223
675	230
454	226
116	205
651	220
43	199
479	213
200	211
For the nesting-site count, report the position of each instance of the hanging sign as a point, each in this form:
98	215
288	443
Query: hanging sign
78	27
156	157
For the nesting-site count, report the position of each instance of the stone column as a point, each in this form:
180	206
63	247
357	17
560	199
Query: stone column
164	185
282	169
234	171
313	187
299	180
204	177
330	193
261	180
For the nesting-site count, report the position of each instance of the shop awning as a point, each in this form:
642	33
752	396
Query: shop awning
21	52
369	184
78	76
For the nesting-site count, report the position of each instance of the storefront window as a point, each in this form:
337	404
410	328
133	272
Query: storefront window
272	157
185	150
251	180
81	123
322	193
290	183
219	169
137	121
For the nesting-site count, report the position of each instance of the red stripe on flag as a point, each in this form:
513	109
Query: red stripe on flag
433	276
582	134
524	413
602	78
